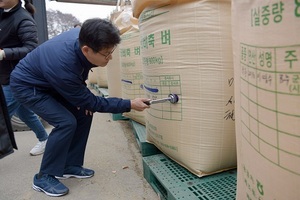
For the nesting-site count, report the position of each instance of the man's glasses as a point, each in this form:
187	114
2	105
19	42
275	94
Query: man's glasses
107	56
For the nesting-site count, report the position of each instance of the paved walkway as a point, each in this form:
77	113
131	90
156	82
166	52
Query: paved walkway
111	151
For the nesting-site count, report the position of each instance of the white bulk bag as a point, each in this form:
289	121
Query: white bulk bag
187	50
267	90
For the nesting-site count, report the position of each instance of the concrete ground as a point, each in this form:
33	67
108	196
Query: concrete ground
111	151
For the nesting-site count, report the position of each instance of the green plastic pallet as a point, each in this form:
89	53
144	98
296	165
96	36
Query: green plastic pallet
173	182
118	116
103	92
95	87
146	148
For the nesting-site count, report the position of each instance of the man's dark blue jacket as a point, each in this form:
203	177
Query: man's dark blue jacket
59	65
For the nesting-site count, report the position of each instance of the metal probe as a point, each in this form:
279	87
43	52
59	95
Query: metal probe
173	98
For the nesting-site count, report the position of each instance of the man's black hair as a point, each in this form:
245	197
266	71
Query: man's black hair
99	34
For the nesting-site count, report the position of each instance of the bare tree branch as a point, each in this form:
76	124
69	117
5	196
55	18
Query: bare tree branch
58	22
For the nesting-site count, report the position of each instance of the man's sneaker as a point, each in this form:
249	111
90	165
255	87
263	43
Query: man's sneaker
39	148
49	185
77	172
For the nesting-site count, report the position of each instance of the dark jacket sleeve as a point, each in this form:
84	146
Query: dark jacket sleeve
81	96
68	83
27	33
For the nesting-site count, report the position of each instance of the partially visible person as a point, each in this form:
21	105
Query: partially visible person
18	36
7	138
51	81
78	25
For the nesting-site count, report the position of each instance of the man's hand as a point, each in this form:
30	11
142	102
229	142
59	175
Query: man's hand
87	112
139	104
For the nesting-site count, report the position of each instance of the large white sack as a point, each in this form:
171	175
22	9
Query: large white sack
139	5
132	71
101	75
187	50
266	38
113	74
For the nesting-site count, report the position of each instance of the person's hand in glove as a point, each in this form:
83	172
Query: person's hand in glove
2	54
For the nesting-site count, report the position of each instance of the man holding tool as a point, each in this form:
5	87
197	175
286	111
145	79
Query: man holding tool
51	81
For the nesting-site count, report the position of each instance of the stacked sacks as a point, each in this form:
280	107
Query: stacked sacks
139	5
125	20
113	73
98	76
92	77
190	54
267	88
101	73
122	18
132	71
130	59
